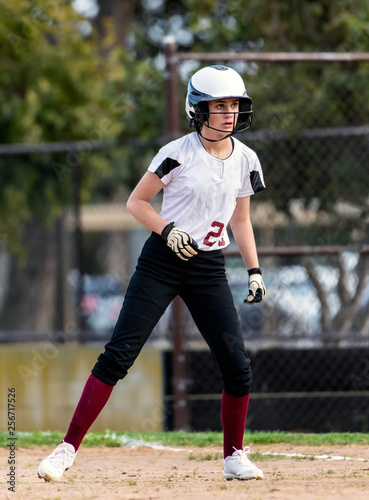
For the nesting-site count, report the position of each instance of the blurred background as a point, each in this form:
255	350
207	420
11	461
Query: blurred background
90	90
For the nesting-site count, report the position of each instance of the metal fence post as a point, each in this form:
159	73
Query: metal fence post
172	122
78	248
179	360
61	273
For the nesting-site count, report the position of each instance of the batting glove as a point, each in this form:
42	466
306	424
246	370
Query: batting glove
257	290
180	241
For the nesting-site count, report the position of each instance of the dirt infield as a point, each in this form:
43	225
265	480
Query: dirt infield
166	474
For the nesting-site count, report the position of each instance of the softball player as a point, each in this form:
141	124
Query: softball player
208	177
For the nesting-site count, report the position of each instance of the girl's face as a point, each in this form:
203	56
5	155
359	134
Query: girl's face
223	117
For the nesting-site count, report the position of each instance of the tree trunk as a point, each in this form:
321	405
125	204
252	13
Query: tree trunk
29	303
121	11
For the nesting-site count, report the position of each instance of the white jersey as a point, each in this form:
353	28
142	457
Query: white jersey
200	191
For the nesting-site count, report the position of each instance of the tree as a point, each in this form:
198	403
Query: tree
46	94
62	82
120	13
352	315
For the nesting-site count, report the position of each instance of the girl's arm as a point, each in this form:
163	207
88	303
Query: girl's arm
138	203
244	236
243	232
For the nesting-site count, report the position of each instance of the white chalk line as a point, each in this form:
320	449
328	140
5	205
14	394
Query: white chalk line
135	443
324	456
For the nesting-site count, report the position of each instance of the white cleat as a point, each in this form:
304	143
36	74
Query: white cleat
238	466
53	467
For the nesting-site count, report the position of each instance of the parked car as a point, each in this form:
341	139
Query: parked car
101	300
291	308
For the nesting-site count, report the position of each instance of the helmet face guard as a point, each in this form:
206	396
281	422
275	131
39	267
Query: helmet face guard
242	119
215	83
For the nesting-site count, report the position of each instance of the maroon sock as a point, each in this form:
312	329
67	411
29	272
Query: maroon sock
233	412
94	397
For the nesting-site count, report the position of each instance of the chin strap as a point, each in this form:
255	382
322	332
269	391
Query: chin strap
195	124
214	140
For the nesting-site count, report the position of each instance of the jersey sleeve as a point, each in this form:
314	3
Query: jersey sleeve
166	163
253	181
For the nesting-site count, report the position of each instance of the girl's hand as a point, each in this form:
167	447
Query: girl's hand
257	290
180	241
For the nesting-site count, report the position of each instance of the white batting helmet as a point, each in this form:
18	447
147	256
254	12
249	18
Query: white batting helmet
213	83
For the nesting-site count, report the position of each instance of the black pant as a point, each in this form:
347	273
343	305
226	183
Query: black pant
202	284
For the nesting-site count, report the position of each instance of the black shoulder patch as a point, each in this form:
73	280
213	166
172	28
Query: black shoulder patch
166	166
256	181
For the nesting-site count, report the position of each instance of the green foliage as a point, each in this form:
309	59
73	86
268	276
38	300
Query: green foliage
58	84
48	67
235	25
51	89
139	103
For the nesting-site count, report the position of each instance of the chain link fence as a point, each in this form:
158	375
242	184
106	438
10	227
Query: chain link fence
296	390
308	340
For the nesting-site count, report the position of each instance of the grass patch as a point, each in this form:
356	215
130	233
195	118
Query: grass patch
204	458
306	439
257	457
304	457
179	439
